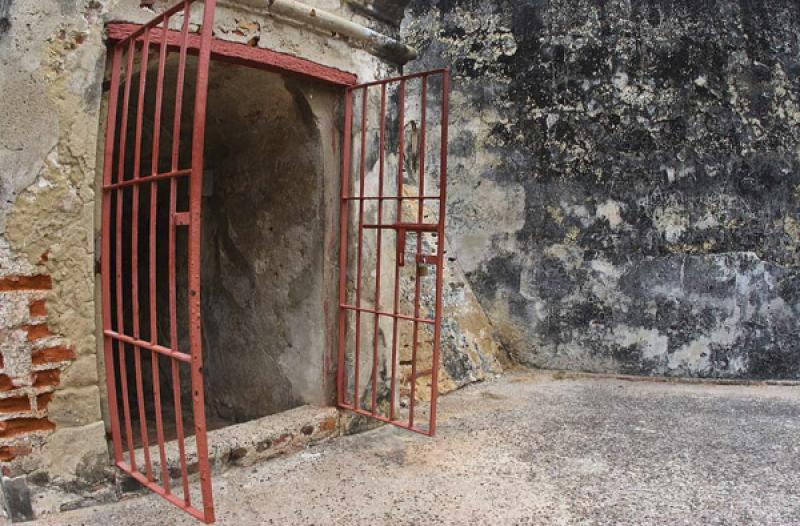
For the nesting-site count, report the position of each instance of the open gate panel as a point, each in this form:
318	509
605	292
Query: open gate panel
153	162
393	193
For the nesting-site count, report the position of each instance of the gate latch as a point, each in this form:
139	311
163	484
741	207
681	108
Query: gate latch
402	229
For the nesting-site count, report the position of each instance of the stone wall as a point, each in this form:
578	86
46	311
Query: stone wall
51	59
52	62
53	437
625	178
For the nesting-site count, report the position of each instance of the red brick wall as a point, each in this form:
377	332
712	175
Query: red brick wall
31	360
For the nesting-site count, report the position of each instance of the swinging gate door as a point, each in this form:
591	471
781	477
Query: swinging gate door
152	187
393	190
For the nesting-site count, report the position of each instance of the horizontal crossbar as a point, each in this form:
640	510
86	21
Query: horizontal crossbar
387	314
240	53
147	179
160	349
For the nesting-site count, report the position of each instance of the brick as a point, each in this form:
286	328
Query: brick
22	426
328	424
38	308
52	355
8	453
38	331
15	404
5	383
42	400
39	282
46	378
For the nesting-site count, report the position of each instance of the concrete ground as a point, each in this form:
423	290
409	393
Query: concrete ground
531	448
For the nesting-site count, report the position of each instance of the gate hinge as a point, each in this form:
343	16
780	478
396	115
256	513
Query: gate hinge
427	259
182	218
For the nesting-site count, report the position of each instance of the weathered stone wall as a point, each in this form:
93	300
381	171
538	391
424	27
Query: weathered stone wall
625	178
270	146
53	449
52	61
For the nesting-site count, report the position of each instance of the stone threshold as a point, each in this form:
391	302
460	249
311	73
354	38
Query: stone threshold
244	444
238	445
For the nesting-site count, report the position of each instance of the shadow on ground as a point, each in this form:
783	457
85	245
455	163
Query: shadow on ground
531	449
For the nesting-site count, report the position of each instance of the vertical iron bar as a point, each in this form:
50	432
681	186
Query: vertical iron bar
417	286
173	313
362	175
176	127
105	267
154	359
377	303
173	309
195	203
137	154
343	242
440	248
118	243
398	234
422	120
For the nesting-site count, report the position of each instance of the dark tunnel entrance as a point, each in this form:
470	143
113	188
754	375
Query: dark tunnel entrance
270	173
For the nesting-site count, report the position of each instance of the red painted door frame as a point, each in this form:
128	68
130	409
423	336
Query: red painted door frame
128	37
123	342
128	335
243	54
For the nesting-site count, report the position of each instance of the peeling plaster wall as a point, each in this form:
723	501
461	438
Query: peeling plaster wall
52	59
263	241
625	178
53	449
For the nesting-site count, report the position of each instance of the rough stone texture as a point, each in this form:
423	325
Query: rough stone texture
51	56
470	350
626	178
527	449
264	240
53	64
17	499
52	60
257	440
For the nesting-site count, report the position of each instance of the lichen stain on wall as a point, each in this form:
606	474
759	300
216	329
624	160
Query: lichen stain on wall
626	178
51	55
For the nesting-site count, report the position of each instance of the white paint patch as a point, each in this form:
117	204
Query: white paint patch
709	221
610	210
620	80
604	267
701	81
494	212
652	343
696	355
671	221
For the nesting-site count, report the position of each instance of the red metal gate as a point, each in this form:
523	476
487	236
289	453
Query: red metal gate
393	197
151	204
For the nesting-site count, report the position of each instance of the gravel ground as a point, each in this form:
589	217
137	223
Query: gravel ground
529	448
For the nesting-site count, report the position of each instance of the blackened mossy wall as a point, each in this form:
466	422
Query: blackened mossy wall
625	178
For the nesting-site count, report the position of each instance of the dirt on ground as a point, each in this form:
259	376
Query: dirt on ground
530	448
